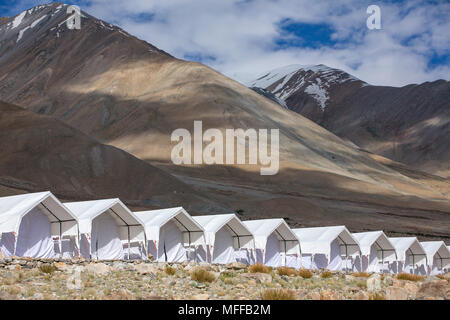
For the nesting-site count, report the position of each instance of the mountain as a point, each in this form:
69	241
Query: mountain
124	92
42	153
410	124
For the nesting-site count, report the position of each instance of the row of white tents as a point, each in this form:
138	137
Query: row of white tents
38	225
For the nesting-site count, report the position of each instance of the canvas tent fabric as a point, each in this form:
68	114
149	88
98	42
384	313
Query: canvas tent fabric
224	235
411	256
173	235
106	226
376	250
36	225
438	256
328	247
275	243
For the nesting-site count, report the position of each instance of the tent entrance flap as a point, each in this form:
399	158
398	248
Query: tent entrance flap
170	246
34	238
105	238
223	250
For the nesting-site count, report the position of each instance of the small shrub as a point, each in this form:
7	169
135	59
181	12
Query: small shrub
226	275
278	294
305	273
286	271
202	275
47	268
170	270
326	274
258	267
13	290
410	277
377	296
360	274
361	284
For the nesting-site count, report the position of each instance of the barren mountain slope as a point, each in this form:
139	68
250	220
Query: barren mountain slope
41	153
129	94
410	124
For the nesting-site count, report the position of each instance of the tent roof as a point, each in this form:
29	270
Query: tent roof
215	222
13	208
433	248
86	211
404	244
155	219
367	239
318	240
265	227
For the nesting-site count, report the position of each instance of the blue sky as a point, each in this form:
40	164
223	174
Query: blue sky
245	38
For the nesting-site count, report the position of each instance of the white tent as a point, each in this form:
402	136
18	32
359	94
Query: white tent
276	245
411	256
376	250
225	237
106	227
328	247
438	256
172	234
37	225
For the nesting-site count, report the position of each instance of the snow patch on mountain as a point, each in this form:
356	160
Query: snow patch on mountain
18	20
314	80
35	23
318	93
268	78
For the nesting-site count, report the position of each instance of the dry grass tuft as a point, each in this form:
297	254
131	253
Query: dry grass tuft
202	275
360	274
47	268
286	271
278	294
170	270
410	277
326	274
377	296
305	273
259	268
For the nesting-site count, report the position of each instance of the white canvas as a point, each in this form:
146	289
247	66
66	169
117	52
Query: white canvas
245	256
171	247
34	239
33	221
225	237
105	235
265	231
223	247
272	253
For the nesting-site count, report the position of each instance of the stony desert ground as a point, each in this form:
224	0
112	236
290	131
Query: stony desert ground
38	279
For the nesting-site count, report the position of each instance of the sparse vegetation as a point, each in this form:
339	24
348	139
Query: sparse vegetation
202	275
410	277
326	274
360	274
286	271
227	275
361	284
170	271
305	273
278	294
47	268
194	281
377	296
258	267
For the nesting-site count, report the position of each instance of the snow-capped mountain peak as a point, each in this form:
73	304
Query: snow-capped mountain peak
314	80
